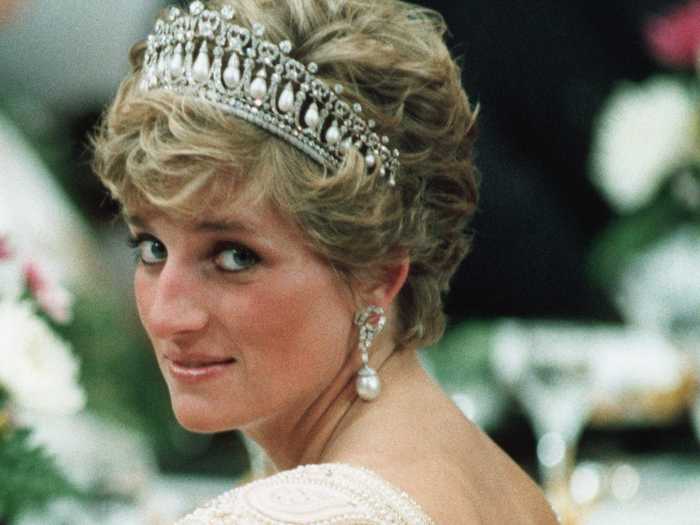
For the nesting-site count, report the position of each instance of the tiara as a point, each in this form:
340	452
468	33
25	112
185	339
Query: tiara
258	81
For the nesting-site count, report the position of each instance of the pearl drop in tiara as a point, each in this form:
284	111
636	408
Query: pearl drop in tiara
203	53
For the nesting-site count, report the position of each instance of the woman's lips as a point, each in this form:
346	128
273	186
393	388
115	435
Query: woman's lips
195	369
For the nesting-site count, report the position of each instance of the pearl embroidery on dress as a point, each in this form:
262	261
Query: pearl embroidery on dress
325	494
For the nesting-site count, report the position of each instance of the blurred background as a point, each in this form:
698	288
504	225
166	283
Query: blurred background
574	338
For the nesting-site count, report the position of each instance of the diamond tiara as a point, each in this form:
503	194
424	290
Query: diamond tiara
257	80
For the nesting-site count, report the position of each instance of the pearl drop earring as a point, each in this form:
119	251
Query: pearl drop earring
371	321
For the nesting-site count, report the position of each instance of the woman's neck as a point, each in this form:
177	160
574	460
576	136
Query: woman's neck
304	438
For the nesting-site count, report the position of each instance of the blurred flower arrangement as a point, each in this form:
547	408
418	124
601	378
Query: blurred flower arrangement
646	162
38	375
60	463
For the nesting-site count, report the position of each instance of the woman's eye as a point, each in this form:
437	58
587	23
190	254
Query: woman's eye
236	258
149	250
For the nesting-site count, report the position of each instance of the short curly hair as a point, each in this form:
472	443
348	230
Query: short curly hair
162	149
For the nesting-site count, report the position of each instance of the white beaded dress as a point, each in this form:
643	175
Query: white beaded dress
325	494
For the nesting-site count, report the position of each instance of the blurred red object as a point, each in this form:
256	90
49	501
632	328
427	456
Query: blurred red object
5	250
55	301
674	38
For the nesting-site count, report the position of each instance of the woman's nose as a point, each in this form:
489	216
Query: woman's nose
176	305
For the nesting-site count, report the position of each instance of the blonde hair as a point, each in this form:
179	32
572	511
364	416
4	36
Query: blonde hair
391	58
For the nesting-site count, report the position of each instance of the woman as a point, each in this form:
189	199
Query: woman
296	175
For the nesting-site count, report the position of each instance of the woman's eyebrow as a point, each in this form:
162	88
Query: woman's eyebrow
240	227
205	226
224	226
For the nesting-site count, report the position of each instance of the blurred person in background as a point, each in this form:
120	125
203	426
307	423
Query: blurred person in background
277	231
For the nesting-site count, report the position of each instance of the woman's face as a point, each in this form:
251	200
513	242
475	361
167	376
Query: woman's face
247	323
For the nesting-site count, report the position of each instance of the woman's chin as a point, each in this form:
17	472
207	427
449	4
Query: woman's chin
197	425
199	417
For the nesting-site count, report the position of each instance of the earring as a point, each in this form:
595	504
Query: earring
371	321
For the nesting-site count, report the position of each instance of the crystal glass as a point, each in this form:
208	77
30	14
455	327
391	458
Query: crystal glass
686	335
695	401
556	393
548	368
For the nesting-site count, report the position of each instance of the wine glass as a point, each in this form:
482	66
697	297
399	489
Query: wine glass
695	401
548	367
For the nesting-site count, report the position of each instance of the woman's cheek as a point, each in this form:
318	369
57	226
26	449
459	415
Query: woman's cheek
300	314
143	291
269	311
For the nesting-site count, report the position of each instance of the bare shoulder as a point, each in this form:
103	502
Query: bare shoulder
421	443
458	475
486	494
438	487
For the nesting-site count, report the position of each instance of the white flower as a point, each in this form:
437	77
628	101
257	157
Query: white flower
17	271
53	299
643	133
11	279
37	369
661	287
77	443
11	282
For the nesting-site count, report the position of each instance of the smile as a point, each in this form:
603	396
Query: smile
194	371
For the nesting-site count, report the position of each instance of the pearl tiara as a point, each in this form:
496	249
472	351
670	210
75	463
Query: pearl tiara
258	81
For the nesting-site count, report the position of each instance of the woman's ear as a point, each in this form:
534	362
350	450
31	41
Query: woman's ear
386	285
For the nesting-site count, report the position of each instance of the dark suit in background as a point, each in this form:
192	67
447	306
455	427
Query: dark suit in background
540	71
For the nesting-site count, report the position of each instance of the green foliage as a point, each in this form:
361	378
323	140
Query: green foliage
462	355
123	384
633	234
118	371
3	399
29	477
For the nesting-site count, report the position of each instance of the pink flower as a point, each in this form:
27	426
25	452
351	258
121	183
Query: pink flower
53	299
674	39
5	250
